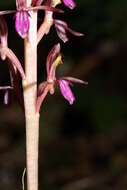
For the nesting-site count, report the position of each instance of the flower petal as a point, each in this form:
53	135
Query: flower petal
66	91
22	23
61	28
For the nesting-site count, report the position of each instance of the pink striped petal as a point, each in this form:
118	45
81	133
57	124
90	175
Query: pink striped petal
22	23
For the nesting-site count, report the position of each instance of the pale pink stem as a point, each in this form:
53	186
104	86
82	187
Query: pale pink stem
30	96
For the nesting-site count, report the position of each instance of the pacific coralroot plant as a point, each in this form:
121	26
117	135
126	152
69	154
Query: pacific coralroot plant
32	96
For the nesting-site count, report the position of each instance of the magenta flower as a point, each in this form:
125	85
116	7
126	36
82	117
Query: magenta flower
53	60
69	3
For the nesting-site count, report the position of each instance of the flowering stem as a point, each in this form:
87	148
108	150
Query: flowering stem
30	96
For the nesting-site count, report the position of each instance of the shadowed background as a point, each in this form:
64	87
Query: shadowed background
82	146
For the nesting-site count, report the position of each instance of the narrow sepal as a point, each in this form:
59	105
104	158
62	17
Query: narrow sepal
74	80
14	60
52	56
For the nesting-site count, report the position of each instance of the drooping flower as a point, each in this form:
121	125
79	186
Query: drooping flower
62	28
69	3
53	60
22	16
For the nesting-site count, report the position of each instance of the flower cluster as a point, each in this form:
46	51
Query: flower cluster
54	58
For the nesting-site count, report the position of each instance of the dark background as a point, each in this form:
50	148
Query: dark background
83	146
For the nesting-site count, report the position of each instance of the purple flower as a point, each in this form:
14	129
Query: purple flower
53	60
69	3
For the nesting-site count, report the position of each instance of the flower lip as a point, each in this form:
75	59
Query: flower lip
66	90
22	23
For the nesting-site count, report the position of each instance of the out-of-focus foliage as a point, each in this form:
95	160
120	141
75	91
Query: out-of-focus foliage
8	4
87	139
103	19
